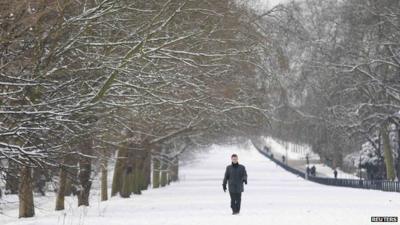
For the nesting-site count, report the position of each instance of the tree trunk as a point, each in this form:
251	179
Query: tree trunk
398	153
65	187
137	175
142	172
164	171
175	169
85	168
25	193
128	178
156	172
61	189
104	188
142	179
387	152
127	183
146	169
169	179
118	171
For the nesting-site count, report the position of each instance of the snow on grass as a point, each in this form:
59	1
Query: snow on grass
272	196
294	152
326	171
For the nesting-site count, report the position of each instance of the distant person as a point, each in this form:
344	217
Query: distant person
235	176
307	159
335	173
313	170
283	159
308	171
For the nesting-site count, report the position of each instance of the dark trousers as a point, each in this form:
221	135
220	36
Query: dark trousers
235	201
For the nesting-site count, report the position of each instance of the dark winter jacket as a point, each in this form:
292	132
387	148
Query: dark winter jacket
236	175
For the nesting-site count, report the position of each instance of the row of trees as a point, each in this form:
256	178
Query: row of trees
134	83
339	69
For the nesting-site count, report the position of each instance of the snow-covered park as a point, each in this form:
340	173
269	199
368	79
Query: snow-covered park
128	112
272	196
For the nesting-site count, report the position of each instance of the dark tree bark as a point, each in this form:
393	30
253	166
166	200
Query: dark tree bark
175	170
138	173
119	171
85	169
164	173
104	171
146	169
387	152
61	189
127	182
156	172
128	178
25	193
67	175
142	172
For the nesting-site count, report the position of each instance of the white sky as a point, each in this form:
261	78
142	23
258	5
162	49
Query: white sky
272	3
260	4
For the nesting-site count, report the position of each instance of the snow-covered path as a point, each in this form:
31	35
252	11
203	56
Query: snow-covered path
272	196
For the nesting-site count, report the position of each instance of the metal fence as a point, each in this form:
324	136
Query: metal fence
384	185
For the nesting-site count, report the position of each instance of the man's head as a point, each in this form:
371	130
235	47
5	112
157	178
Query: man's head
234	158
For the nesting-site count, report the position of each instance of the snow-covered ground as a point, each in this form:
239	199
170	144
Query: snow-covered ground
272	196
325	171
292	151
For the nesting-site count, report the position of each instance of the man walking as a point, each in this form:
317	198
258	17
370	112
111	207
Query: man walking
236	175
